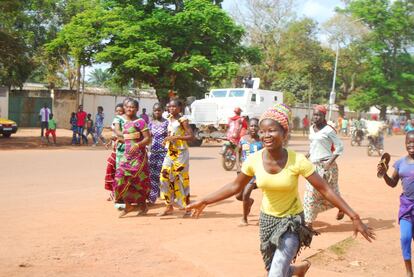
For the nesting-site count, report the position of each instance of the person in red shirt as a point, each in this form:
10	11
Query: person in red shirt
237	127
305	125
81	116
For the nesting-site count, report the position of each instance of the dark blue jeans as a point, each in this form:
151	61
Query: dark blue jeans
81	134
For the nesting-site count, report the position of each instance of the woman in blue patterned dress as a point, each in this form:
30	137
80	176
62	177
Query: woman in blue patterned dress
158	129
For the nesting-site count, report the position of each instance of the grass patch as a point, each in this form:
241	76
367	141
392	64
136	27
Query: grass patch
341	247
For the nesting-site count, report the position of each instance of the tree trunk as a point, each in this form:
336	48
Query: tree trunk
83	84
78	80
383	112
341	110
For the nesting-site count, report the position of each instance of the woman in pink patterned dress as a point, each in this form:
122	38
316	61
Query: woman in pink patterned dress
132	175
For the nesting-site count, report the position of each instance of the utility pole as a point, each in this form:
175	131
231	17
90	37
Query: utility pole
332	95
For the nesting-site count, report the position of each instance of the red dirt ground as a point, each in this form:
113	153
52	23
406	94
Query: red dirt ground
56	222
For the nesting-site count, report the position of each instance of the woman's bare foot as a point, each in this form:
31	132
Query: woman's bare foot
144	209
127	210
187	214
243	222
301	268
167	211
340	215
110	198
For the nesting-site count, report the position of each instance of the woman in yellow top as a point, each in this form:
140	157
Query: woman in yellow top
282	227
174	178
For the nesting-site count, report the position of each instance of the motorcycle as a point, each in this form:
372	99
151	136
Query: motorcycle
357	136
228	153
375	145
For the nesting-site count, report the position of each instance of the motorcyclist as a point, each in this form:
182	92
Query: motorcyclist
357	128
375	130
237	127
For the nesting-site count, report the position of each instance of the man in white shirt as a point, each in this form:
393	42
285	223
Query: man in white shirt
375	129
44	118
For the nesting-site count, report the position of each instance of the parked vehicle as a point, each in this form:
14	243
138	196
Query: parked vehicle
375	145
209	116
228	152
7	127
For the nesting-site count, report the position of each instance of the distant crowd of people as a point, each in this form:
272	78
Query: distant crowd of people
344	125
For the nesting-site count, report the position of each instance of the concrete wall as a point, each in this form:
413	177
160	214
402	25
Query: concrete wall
4	102
108	102
65	103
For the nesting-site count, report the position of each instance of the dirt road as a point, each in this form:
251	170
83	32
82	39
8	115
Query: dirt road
55	220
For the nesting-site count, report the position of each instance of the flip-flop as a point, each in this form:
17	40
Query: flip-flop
385	160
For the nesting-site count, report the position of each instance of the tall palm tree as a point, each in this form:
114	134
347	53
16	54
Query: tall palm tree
99	77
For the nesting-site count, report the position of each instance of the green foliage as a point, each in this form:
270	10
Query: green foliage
99	77
186	50
25	26
388	76
303	66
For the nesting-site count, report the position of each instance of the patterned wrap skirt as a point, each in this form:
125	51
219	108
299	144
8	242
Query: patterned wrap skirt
132	178
174	178
156	160
314	202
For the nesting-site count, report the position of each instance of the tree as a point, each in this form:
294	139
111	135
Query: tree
264	22
185	46
389	78
99	77
81	39
293	60
304	66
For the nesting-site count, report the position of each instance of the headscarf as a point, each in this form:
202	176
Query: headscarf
237	110
321	109
279	113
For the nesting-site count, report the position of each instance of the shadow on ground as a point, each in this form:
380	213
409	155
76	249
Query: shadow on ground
376	224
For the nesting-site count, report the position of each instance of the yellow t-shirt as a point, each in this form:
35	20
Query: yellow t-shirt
280	190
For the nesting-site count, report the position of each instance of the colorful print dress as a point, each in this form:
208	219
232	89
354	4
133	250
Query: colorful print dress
159	132
132	174
174	178
113	159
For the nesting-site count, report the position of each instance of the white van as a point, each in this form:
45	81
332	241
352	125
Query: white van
209	116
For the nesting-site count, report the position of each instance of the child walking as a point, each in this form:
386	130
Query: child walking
99	124
51	129
111	161
90	129
249	144
404	170
74	127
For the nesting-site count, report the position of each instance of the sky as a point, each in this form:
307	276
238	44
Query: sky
320	10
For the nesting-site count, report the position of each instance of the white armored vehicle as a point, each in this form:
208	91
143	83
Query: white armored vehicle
209	116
